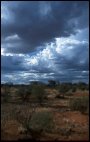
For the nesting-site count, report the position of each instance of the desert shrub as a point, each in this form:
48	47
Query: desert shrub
39	93
63	88
69	94
60	96
23	117
41	121
23	93
6	99
73	89
80	104
82	86
5	95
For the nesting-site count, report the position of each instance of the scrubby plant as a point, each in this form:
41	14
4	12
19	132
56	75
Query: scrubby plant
69	94
41	121
36	122
82	86
23	93
59	96
73	89
39	93
80	104
63	88
5	95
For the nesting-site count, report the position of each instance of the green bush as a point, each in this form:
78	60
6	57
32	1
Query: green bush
41	121
38	92
63	89
80	104
23	93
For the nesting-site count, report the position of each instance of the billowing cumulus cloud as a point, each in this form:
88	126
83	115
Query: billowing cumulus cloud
44	40
37	23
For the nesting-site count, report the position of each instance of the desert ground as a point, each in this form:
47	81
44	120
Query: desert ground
19	122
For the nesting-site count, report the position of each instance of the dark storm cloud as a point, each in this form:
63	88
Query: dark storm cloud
38	23
44	40
17	64
12	63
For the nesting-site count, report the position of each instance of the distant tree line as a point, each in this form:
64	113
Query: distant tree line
52	83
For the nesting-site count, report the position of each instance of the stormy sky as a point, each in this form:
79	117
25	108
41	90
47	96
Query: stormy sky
44	40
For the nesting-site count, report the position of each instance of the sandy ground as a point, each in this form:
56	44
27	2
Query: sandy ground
69	125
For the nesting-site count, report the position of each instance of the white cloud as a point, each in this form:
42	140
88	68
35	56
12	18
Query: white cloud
12	37
46	60
48	57
69	46
2	51
6	15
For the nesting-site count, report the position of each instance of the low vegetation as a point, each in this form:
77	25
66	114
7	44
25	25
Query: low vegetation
5	95
54	110
23	93
38	92
41	121
81	104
